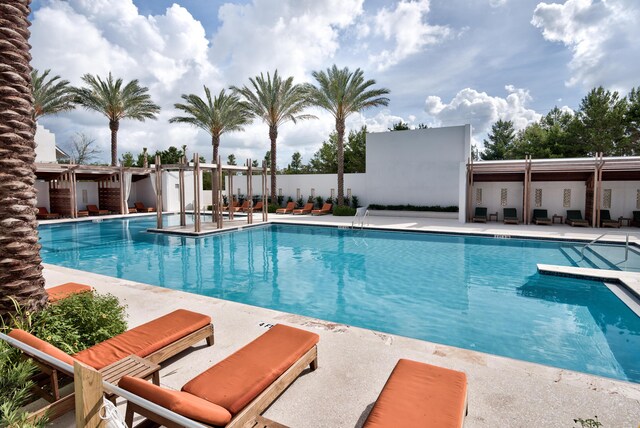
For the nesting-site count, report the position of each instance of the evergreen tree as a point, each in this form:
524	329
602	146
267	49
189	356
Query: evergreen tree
355	151
296	166
400	126
632	121
500	141
231	159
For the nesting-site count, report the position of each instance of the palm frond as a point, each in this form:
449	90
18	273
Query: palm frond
50	96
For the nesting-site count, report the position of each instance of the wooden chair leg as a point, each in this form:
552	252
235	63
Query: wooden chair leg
314	364
210	340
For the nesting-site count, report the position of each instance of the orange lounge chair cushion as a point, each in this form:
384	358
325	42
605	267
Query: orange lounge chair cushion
238	379
41	345
63	291
419	394
145	339
180	402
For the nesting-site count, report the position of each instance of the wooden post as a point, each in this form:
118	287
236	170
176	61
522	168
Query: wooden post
183	216
249	193
74	197
265	204
525	190
88	395
220	199
230	193
123	204
158	193
214	195
196	194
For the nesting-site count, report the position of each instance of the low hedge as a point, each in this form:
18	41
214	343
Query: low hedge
433	208
343	210
271	208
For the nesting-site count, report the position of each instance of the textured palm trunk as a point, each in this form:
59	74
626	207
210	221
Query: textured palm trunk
273	136
215	142
20	263
340	132
114	125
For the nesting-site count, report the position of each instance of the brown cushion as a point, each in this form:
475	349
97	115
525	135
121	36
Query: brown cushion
65	290
145	339
419	394
238	379
41	345
182	403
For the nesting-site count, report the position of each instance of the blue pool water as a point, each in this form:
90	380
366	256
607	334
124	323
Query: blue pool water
472	292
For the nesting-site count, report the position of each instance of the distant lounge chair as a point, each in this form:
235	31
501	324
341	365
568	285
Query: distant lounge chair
420	395
510	216
234	204
82	213
574	218
288	209
44	214
257	207
541	217
93	210
635	220
304	210
132	210
246	205
142	209
480	215
238	389
61	292
607	221
326	209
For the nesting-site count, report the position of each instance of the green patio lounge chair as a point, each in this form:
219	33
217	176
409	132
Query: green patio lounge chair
510	216
607	221
574	218
540	217
480	215
636	219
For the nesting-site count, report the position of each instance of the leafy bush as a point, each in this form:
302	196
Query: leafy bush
280	200
272	208
319	201
310	199
300	202
435	208
343	210
289	199
329	200
355	203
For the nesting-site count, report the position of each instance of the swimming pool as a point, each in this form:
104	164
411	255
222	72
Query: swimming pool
472	292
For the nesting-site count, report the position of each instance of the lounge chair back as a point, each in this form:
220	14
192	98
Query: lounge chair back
574	215
290	206
43	211
636	216
258	205
92	208
605	215
510	213
307	207
481	212
540	214
61	292
326	207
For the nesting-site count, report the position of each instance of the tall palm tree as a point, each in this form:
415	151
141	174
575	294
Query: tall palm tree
342	92
50	96
275	101
116	102
20	262
225	113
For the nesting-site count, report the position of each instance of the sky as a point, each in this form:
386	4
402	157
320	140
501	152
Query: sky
445	62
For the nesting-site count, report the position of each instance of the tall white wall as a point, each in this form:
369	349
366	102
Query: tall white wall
89	197
171	191
491	197
42	194
623	197
45	145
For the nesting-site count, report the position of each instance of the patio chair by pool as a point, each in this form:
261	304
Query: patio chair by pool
44	214
480	216
155	341
304	210
139	206
540	217
288	209
246	205
82	213
326	209
234	204
93	210
60	292
510	216
635	220
237	389
419	394
258	206
574	218
607	221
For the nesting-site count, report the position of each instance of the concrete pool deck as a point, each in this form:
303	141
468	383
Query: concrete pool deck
354	363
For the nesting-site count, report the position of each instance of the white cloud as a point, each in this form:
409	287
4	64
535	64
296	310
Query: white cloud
602	35
481	110
497	3
405	28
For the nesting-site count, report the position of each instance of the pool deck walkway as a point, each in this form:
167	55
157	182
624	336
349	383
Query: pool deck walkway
354	363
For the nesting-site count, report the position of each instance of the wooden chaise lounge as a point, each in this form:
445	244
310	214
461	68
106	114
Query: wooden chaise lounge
139	206
94	210
155	341
44	214
60	292
574	218
540	217
607	221
480	215
246	205
510	216
326	209
635	218
304	210
257	207
420	395
288	209
238	388
233	206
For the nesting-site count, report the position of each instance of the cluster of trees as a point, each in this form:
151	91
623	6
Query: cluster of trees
273	99
604	122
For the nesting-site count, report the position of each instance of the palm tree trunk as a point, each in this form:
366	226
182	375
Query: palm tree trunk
273	136
114	125
20	263
340	132
215	142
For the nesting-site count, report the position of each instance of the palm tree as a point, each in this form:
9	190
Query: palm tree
225	113
341	93
275	101
20	262
50	96
116	102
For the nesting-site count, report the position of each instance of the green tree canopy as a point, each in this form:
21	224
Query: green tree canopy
500	139
231	159
50	96
325	160
296	166
400	126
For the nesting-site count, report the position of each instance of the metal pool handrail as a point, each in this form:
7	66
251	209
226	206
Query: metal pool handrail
626	246
68	368
359	213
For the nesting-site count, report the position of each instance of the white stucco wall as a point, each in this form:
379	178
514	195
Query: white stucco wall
88	198
623	197
42	194
45	145
171	191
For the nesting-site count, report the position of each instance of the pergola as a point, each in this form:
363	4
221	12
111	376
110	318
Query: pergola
63	178
593	171
216	170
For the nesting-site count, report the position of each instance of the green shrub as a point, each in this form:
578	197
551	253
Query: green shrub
343	210
300	202
435	208
355	202
272	208
319	201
